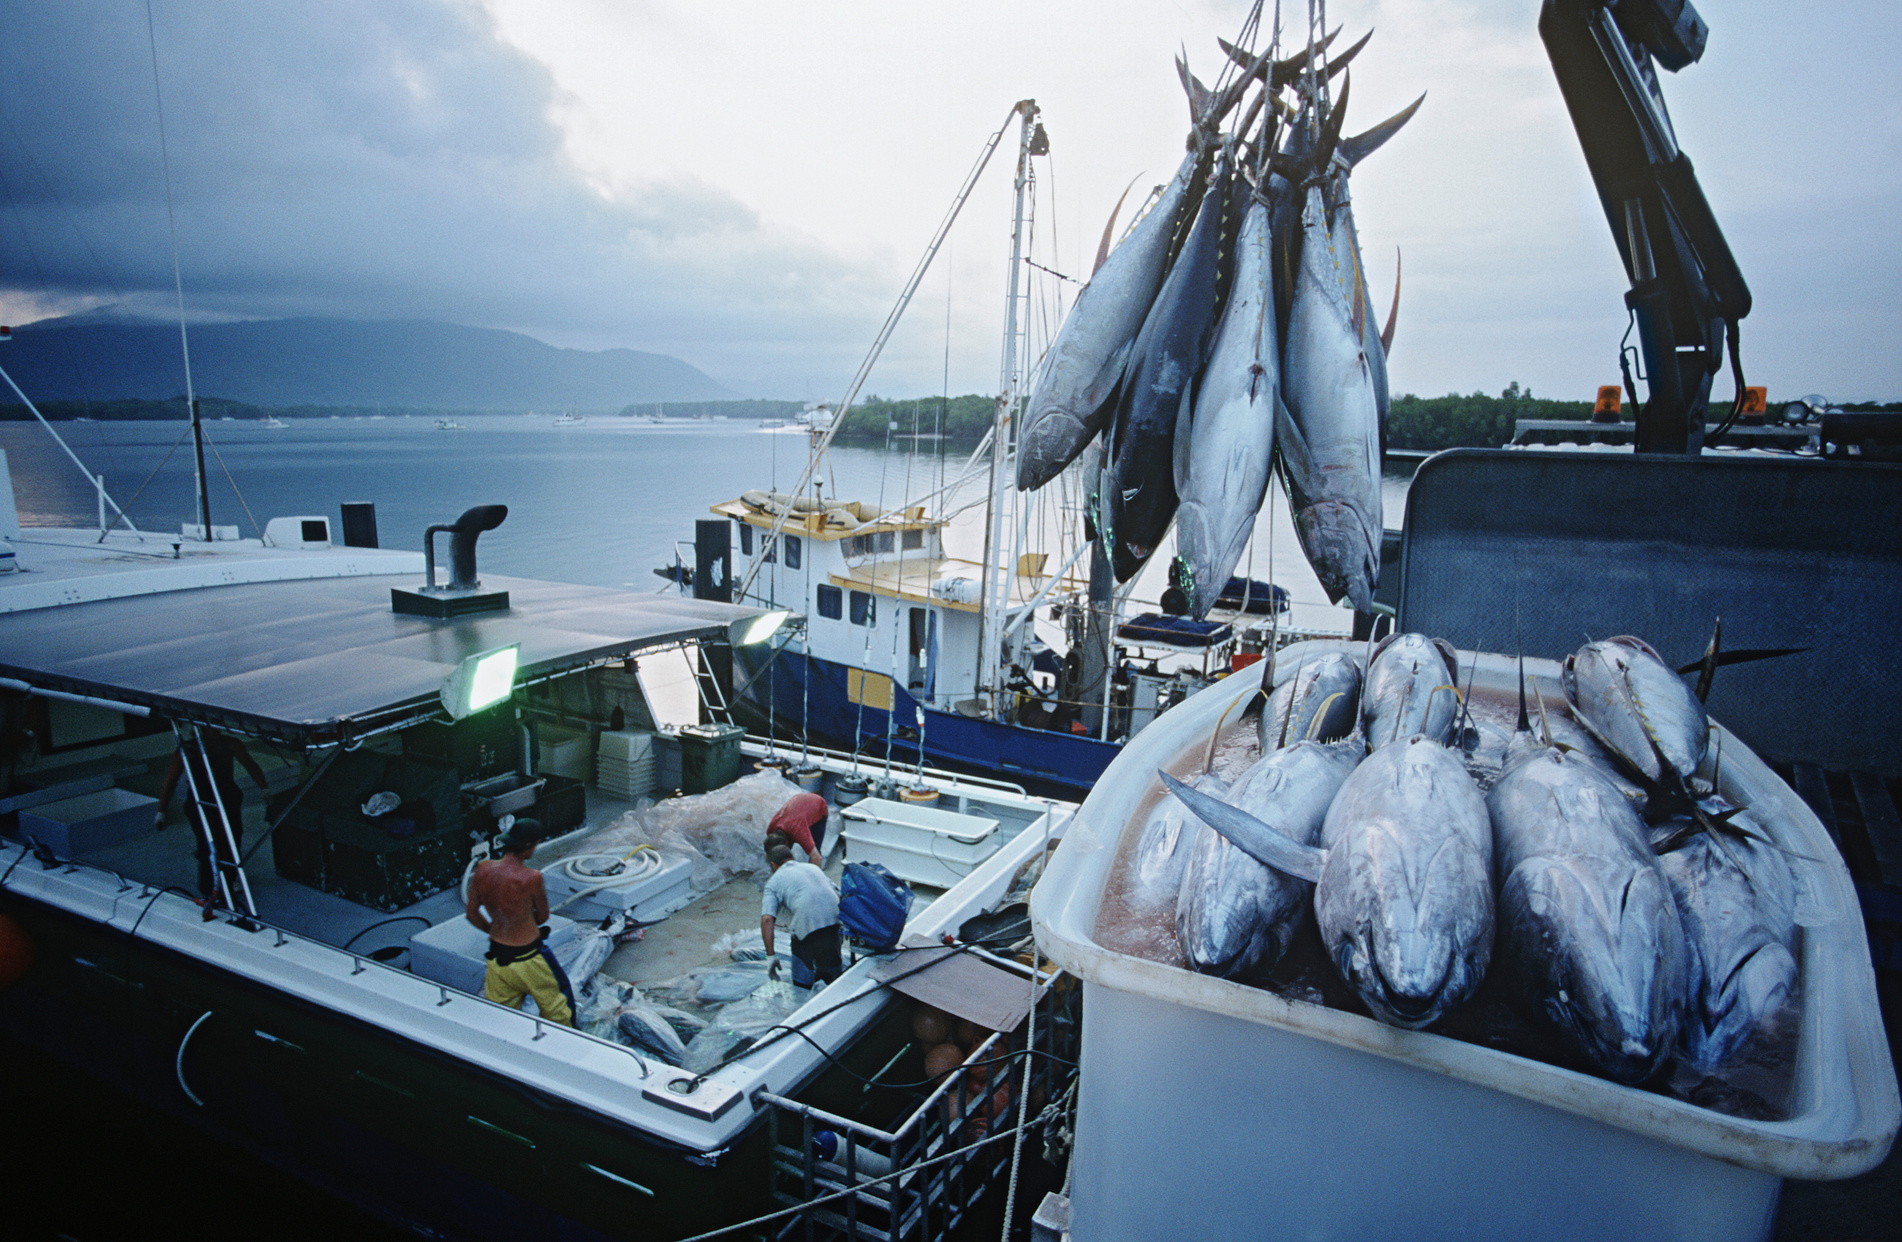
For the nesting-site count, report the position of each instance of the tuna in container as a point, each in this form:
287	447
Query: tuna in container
1209	1107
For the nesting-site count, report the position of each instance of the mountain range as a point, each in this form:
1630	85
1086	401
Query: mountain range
340	362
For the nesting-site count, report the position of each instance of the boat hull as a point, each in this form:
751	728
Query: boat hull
392	1126
822	694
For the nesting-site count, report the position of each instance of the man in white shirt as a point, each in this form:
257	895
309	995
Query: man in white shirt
799	893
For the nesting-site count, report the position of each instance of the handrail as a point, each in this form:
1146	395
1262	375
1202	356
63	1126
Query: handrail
847	759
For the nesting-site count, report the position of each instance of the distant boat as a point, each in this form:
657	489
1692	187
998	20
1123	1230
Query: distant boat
273	421
448	424
569	420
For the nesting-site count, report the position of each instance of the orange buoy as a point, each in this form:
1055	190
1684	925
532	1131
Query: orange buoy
16	951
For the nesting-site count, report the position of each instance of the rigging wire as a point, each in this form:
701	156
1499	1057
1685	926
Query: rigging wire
171	220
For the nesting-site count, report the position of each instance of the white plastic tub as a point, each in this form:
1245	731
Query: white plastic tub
918	844
1208	1108
94	821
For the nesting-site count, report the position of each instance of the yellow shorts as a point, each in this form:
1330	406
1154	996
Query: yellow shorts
534	974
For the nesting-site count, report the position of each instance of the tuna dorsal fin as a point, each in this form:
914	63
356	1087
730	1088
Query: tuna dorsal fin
1393	312
1360	146
1545	725
1250	835
1707	671
1109	231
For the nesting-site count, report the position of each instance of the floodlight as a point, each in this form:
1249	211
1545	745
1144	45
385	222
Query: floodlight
758	629
481	680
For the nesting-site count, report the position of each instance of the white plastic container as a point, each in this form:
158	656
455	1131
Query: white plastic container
94	821
563	752
1208	1108
918	844
643	896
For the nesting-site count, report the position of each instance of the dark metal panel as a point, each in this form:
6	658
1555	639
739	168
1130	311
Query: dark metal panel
1504	547
307	657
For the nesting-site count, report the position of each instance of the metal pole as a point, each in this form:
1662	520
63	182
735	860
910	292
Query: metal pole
198	450
997	581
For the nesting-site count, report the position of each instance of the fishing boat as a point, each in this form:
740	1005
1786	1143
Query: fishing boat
448	424
322	1006
1020	659
569	420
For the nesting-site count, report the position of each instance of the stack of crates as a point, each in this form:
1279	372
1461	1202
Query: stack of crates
625	765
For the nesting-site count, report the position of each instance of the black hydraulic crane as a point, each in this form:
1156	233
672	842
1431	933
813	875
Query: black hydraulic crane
1687	293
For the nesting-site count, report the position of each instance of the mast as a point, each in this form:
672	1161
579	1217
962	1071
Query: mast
198	448
998	577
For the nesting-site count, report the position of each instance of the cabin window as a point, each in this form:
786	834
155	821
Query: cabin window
831	602
919	616
746	539
865	545
913	541
862	611
794	547
769	553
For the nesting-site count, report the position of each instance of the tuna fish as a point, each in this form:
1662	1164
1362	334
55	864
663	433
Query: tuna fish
1076	391
1738	905
1333	370
1162	852
1321	702
1411	688
1234	913
1629	699
1403	878
1587	925
1138	497
1223	463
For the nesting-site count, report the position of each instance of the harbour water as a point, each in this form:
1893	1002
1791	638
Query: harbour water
601	502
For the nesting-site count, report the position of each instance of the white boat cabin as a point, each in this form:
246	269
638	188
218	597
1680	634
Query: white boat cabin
880	594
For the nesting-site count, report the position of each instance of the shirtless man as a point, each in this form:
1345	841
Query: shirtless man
516	903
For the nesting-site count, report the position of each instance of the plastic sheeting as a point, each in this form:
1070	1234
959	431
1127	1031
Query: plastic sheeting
722	834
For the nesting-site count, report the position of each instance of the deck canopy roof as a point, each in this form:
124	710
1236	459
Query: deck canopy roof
316	661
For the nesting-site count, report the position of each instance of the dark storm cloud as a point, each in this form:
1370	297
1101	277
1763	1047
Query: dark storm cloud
386	159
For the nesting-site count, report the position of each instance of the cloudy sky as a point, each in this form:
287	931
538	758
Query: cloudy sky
746	185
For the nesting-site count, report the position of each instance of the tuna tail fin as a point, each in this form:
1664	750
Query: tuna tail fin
1250	835
1280	74
1360	146
1393	312
1200	100
1109	230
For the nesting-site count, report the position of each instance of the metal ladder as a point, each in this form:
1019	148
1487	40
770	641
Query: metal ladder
231	888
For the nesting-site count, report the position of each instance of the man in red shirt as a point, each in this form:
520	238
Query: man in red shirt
803	822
